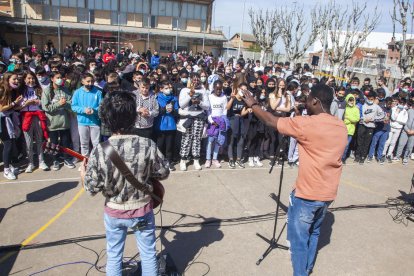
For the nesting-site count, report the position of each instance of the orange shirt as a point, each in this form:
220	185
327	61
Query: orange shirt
321	140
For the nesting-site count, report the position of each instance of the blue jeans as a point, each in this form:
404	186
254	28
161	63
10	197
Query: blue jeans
144	230
380	137
347	147
305	218
212	141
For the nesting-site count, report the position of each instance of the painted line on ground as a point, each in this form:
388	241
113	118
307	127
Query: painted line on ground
38	180
359	187
46	225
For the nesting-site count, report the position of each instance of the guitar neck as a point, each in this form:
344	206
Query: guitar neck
73	153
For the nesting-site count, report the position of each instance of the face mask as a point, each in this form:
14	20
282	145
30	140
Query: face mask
58	82
30	85
400	106
405	90
369	102
42	79
175	73
189	71
89	86
142	71
184	80
262	97
92	68
351	104
12	60
310	85
354	87
167	92
13	86
340	98
203	79
269	89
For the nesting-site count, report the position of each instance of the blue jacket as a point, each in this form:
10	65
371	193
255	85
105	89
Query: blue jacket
155	61
83	99
166	120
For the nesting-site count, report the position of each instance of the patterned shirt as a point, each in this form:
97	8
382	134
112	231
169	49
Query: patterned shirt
150	102
141	156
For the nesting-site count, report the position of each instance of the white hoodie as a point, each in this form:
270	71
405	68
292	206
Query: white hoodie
398	117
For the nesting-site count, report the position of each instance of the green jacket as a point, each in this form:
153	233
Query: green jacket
57	115
351	117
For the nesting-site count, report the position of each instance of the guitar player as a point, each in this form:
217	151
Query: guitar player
125	206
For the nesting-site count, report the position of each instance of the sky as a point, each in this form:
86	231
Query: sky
228	14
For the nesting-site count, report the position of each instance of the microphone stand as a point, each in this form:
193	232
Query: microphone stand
273	242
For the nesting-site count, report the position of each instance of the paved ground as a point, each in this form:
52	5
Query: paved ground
216	215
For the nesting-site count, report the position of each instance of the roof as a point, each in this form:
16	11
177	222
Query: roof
111	28
408	41
245	37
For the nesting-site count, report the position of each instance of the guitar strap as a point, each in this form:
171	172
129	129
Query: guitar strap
125	171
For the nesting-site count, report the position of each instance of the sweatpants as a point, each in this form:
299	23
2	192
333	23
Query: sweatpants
406	142
364	138
166	142
293	154
255	144
7	152
391	141
34	131
87	134
191	140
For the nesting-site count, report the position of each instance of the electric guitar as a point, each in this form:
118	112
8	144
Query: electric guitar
50	148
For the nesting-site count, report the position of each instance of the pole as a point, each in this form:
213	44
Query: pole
204	38
119	30
324	47
25	22
89	20
59	46
242	23
148	35
176	37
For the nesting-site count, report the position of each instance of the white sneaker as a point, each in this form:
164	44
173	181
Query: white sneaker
44	166
14	170
412	156
251	162
183	165
197	165
29	168
8	173
257	162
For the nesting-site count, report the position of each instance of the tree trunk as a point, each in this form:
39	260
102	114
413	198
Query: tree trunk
262	55
335	71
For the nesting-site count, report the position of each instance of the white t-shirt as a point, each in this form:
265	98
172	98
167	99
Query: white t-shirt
218	106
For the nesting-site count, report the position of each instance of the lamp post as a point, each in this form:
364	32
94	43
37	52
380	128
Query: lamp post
242	23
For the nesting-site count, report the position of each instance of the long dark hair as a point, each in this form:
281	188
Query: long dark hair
38	89
6	92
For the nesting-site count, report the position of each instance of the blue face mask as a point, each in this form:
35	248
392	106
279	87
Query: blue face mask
369	102
400	106
354	87
184	80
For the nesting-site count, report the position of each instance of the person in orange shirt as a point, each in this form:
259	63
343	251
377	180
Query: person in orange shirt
321	139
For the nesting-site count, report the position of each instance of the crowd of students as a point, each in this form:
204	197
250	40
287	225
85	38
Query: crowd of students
190	104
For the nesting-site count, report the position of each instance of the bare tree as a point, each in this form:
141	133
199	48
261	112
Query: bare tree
348	27
296	32
264	28
406	52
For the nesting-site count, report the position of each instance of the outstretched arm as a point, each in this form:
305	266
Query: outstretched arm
264	116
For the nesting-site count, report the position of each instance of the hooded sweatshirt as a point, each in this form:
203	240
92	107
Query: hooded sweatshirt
399	117
373	112
166	120
338	108
410	121
351	115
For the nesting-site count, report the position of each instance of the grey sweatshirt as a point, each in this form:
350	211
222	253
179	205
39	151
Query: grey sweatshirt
373	112
410	122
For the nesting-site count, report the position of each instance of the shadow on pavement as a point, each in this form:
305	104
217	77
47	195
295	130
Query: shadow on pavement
186	247
8	255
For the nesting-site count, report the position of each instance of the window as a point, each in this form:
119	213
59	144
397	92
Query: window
176	9
114	5
146	6
122	18
203	15
83	15
179	23
150	21
50	13
203	25
166	46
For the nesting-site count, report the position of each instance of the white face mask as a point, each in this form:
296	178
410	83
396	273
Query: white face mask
167	92
203	79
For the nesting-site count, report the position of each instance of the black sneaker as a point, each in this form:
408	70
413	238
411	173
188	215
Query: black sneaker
68	163
361	161
171	167
389	159
240	164
56	166
382	160
343	162
356	160
369	159
232	165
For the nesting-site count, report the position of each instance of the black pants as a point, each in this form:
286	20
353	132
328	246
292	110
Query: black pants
64	136
364	138
166	143
144	132
7	152
254	145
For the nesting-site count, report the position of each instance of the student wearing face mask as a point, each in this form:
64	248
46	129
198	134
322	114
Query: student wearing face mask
351	119
56	102
182	83
338	104
155	60
218	124
399	117
32	114
165	125
42	77
85	104
406	141
10	99
371	114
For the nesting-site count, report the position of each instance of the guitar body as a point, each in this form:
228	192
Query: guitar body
53	149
